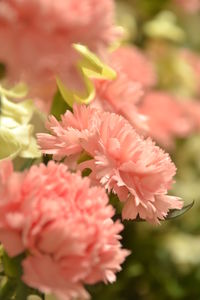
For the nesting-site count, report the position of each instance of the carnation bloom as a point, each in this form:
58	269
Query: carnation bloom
139	172
121	96
64	140
65	225
36	38
192	111
167	117
135	73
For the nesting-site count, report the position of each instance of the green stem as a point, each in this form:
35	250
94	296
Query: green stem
7	290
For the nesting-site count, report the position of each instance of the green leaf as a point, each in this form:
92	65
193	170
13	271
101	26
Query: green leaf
8	289
90	66
22	291
115	202
174	213
59	106
12	265
84	157
27	164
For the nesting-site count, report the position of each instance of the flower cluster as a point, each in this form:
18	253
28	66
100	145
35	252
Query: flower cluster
65	226
36	39
142	70
123	95
56	222
167	117
137	170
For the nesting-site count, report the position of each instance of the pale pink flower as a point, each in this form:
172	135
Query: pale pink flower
65	136
135	73
36	38
45	274
167	118
135	64
189	6
139	172
65	225
121	96
10	184
192	111
6	169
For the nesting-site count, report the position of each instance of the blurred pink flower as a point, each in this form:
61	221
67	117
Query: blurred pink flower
45	274
189	6
135	64
65	225
135	74
6	169
192	111
167	117
10	184
121	96
36	38
139	172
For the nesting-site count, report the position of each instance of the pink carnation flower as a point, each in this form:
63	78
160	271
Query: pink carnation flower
36	38
192	111
64	140
65	225
135	74
121	96
167	117
139	172
10	191
135	64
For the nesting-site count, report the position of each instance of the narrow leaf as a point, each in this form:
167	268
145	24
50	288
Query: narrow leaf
90	66
59	105
7	290
12	265
174	213
27	164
